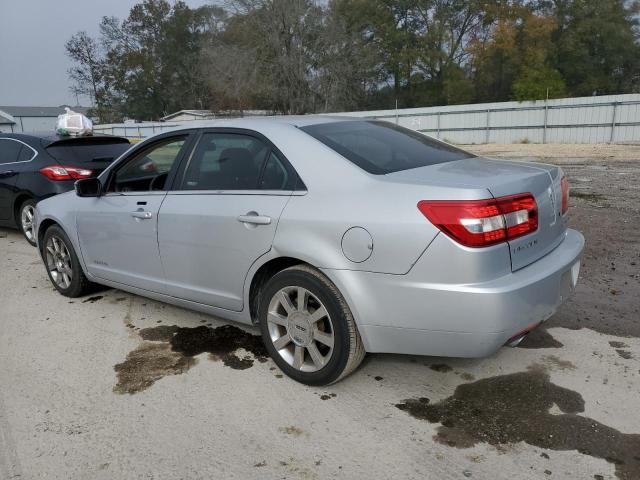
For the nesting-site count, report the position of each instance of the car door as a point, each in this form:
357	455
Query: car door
221	216
11	156
118	230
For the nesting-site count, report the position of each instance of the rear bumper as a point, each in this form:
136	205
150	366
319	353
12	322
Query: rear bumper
402	314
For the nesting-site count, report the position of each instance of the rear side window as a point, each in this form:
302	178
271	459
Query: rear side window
9	150
226	161
87	151
382	147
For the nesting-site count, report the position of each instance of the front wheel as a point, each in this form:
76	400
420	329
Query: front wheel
308	328
62	264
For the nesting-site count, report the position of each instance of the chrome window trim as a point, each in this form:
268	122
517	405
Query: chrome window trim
257	192
35	152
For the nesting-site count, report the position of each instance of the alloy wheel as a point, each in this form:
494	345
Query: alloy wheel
59	262
26	219
300	329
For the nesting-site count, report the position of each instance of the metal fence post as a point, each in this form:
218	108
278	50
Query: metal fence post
613	122
546	114
486	140
438	127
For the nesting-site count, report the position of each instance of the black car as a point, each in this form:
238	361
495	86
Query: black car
34	167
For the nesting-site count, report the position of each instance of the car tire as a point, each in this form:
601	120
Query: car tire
25	217
311	345
62	264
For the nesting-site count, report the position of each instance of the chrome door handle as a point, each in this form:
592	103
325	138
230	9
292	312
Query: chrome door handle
254	219
8	173
142	215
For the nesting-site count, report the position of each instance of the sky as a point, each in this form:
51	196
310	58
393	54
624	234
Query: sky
33	64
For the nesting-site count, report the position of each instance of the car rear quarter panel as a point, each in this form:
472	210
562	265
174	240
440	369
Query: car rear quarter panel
340	196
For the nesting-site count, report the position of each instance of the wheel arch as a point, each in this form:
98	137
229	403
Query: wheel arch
262	275
17	203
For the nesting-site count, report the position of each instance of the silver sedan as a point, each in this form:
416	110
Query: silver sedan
337	236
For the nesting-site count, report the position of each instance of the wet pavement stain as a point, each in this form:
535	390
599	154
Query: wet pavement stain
540	338
514	408
93	299
627	355
440	367
170	350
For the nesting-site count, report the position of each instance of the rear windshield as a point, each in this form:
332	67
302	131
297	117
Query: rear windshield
382	147
100	150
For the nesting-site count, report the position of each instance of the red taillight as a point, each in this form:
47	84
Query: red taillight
480	223
564	184
57	172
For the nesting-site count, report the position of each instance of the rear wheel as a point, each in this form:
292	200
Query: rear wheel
62	264
308	328
26	216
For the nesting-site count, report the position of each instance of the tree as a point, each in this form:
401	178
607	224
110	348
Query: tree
89	74
597	44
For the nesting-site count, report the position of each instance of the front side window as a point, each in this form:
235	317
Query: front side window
9	150
382	147
149	169
225	161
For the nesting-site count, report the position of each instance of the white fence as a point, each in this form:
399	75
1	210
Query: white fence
605	119
136	130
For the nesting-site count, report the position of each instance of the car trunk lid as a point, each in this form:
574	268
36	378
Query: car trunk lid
503	178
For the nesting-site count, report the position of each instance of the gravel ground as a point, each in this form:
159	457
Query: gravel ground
115	386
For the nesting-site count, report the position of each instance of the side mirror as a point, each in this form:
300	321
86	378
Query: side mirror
88	187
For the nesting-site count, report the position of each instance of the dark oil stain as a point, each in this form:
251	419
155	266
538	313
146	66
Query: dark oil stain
378	378
618	344
329	396
93	299
625	354
292	430
514	408
440	367
147	364
540	338
169	350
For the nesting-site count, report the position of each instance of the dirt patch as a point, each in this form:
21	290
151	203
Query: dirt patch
169	350
540	338
514	408
593	197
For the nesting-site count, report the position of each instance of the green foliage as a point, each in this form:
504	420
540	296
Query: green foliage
534	83
301	56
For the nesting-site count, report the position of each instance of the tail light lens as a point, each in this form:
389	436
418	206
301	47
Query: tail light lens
480	223
58	173
564	184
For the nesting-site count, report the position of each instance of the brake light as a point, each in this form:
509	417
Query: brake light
564	184
480	223
58	173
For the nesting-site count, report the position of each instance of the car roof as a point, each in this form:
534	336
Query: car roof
47	138
253	122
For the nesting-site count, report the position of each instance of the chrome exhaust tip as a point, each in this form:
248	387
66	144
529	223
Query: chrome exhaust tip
514	342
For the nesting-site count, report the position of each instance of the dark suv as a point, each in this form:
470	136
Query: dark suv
34	167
